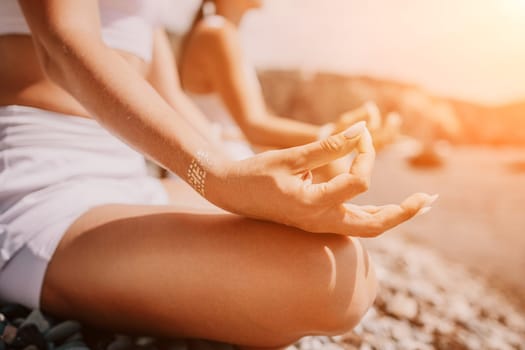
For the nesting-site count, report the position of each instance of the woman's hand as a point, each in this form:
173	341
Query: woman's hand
368	112
384	132
276	186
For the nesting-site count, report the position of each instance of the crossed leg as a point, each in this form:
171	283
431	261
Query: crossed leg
174	272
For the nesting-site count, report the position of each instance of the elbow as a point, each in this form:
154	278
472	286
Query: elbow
50	65
56	52
44	51
47	43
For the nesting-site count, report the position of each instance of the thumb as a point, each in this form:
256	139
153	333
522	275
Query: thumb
319	153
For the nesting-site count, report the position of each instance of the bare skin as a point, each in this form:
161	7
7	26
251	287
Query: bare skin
212	61
193	271
211	276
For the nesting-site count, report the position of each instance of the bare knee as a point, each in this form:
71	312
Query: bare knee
313	284
352	288
337	288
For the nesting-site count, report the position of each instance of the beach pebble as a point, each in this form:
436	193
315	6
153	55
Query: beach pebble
435	305
402	307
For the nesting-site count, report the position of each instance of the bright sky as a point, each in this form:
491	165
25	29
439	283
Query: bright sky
471	49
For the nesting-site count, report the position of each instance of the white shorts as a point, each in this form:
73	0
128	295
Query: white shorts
53	168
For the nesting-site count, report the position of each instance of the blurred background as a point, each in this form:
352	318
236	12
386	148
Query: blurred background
454	70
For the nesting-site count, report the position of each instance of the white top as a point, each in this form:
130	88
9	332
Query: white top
223	125
211	104
213	108
126	24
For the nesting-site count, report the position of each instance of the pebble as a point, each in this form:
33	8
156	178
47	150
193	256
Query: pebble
424	303
427	303
402	307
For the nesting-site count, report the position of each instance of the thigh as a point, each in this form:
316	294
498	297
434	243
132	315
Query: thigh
167	271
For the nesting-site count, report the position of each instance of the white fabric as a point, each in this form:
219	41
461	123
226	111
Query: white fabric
126	24
53	168
226	129
213	107
214	21
217	21
21	279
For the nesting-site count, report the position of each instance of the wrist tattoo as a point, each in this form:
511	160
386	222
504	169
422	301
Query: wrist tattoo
196	172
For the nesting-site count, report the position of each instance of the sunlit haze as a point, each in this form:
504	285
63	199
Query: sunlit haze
467	49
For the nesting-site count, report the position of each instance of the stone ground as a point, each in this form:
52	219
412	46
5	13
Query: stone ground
451	280
454	278
478	221
425	303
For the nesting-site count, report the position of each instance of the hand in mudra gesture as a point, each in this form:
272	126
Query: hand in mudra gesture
277	186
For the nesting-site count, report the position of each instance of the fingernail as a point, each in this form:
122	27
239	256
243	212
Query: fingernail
423	211
355	130
431	199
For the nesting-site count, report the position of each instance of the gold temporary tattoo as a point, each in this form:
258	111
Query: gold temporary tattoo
196	172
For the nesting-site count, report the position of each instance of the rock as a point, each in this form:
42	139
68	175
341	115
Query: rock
514	321
425	291
310	343
337	338
351	338
449	343
434	305
402	307
120	342
332	346
433	323
410	344
458	309
497	343
401	330
421	336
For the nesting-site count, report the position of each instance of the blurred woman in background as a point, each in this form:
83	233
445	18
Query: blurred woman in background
218	78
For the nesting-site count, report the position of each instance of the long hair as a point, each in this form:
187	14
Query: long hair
199	16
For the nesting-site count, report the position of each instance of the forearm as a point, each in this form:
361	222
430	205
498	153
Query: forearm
279	132
122	101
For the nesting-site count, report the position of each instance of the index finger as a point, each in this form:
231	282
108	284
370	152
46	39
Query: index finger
319	153
348	185
364	161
